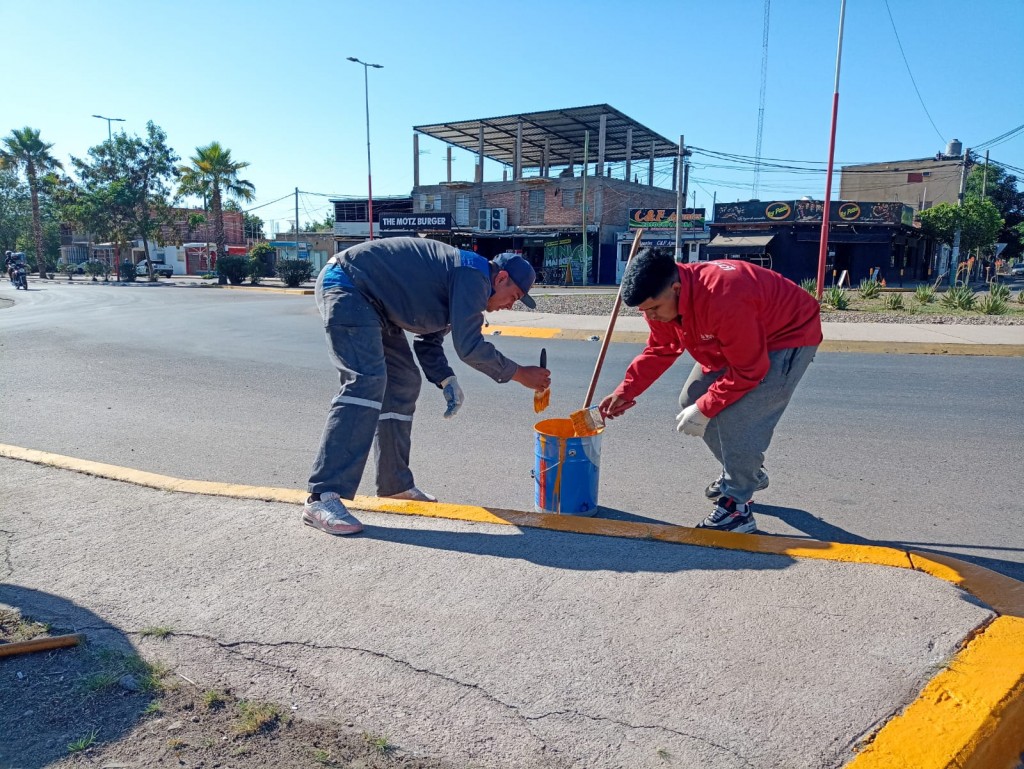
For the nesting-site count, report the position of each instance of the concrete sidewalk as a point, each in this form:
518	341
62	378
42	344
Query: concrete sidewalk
492	640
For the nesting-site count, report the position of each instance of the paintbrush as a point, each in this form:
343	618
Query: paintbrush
588	420
543	398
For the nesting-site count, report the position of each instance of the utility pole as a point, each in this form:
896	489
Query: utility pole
296	222
586	163
984	185
680	200
954	259
823	240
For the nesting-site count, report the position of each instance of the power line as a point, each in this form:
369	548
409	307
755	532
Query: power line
912	80
1000	139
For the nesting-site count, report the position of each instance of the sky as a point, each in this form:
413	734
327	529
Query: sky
270	80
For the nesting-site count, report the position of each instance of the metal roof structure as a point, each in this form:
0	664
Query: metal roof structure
563	130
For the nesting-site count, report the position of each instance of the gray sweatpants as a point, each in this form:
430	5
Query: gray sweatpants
380	383
739	434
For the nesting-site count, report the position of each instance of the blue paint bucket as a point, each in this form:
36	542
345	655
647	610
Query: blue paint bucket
567	469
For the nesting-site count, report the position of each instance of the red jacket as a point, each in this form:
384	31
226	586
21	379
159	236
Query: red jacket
732	314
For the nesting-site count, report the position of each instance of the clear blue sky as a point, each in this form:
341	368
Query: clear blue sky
270	80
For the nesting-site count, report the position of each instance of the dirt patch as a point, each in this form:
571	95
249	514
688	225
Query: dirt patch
101	707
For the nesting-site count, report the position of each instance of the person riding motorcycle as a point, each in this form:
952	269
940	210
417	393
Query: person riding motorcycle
9	261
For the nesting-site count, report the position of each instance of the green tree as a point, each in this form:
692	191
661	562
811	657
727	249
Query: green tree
252	225
979	221
15	209
324	225
24	151
214	175
145	169
1003	189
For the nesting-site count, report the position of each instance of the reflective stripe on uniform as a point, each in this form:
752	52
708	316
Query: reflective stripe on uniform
393	415
335	276
360	402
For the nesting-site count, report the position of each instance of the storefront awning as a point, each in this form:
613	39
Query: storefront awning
748	244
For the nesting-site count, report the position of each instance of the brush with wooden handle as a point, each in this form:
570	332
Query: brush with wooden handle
543	398
588	420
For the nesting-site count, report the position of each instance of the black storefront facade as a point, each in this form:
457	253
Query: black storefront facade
864	237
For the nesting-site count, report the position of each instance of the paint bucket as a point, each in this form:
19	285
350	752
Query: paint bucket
566	470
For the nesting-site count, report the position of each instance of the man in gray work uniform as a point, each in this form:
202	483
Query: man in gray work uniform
369	296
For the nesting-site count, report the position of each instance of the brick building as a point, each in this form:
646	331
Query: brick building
552	162
920	183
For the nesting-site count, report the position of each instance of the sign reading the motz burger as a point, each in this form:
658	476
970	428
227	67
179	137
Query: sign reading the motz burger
416	222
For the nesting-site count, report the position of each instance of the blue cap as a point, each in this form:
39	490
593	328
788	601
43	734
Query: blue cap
521	272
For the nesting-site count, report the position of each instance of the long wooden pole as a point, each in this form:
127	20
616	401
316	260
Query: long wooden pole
41	644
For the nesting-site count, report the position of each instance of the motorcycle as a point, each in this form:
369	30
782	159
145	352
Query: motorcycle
19	276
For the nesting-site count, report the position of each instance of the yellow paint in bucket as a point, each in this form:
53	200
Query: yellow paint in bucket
567	468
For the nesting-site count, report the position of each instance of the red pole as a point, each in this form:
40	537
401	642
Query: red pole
823	244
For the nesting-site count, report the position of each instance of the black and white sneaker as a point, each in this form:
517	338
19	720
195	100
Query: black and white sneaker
714	490
730	516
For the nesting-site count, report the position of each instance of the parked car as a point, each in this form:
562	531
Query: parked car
1017	271
159	268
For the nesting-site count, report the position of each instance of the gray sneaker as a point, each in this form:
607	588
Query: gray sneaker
330	515
714	491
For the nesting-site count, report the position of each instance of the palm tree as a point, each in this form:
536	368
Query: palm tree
213	174
23	149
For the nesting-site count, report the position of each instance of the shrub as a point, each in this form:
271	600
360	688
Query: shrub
95	267
810	285
992	305
1020	297
836	298
999	291
67	269
869	289
255	269
234	268
265	253
128	272
894	301
924	294
294	271
959	298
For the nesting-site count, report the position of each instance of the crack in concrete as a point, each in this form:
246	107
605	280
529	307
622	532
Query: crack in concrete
234	647
605	719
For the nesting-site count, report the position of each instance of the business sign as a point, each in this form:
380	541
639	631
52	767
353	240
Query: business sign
665	218
811	211
416	222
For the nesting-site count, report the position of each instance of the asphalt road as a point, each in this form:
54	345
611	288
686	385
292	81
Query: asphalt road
233	386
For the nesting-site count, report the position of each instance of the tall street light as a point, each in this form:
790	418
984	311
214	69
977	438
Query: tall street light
369	174
110	120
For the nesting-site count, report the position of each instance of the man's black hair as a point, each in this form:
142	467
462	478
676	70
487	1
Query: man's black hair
649	273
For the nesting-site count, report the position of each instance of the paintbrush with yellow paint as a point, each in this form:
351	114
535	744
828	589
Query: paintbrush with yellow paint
543	398
587	420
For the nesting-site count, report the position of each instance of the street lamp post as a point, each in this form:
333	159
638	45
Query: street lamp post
369	173
110	135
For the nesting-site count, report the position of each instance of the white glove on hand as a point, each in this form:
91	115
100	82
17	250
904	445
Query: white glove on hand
453	396
692	422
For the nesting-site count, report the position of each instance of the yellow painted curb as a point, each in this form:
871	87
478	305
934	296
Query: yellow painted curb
970	716
272	290
829	345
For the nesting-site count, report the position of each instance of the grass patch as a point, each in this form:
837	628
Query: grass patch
156	632
323	757
213	700
379	744
256	717
83	743
14	628
176	744
153	709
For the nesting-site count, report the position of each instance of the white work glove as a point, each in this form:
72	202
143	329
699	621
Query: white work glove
453	396
692	422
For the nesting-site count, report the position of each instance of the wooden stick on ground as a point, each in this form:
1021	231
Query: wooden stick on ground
41	644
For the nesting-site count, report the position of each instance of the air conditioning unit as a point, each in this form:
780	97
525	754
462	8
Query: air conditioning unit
483	219
499	219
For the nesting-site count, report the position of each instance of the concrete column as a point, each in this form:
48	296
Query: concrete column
415	160
546	169
572	161
650	168
601	136
675	173
517	167
480	158
449	164
629	155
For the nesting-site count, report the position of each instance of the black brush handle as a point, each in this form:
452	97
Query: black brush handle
543	357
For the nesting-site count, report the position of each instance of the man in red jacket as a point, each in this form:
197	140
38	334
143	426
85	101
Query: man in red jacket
753	334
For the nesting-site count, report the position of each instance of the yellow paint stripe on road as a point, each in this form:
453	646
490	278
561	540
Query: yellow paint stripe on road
970	716
271	290
1002	593
524	331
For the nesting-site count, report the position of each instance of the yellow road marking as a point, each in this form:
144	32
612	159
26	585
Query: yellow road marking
523	331
970	716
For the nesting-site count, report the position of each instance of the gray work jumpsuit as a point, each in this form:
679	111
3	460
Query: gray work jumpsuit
369	296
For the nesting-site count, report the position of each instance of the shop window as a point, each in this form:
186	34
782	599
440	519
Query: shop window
568	198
